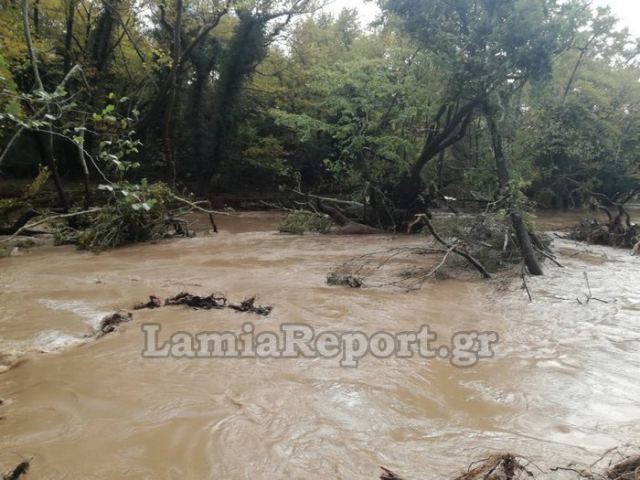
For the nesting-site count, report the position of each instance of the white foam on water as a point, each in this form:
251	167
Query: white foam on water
49	341
88	312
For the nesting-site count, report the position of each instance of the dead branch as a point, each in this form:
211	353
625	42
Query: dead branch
524	283
49	219
456	249
589	296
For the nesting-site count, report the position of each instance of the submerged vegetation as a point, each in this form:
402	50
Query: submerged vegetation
302	221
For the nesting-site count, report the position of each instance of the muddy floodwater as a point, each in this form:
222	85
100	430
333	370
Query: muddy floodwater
563	386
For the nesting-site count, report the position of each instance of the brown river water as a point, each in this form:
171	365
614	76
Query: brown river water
563	386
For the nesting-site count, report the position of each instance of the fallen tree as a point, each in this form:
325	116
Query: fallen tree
484	243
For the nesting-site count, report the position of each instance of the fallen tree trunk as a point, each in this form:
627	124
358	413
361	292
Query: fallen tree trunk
347	226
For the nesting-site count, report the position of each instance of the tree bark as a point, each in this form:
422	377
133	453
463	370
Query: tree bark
45	144
68	36
522	234
447	128
173	86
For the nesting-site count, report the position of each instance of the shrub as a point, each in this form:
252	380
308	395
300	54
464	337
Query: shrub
301	221
132	213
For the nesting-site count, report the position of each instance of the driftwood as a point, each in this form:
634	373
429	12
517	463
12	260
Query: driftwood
154	302
499	467
512	467
111	322
197	302
346	225
628	469
344	280
388	475
249	305
209	302
19	471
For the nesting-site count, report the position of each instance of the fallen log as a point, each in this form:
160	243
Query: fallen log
346	225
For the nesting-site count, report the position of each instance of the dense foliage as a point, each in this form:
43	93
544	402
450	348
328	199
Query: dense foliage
496	100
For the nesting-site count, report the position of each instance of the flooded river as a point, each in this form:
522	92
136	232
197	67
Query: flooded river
562	387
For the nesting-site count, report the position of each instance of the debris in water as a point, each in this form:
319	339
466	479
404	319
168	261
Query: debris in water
154	302
249	305
628	469
111	322
207	303
344	280
497	467
388	475
19	471
511	467
197	302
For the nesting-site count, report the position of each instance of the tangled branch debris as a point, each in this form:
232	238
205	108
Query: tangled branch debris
249	305
628	469
513	467
208	302
154	302
19	471
197	302
111	322
618	231
498	467
480	242
344	280
455	248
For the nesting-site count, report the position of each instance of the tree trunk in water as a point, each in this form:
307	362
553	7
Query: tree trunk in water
522	234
